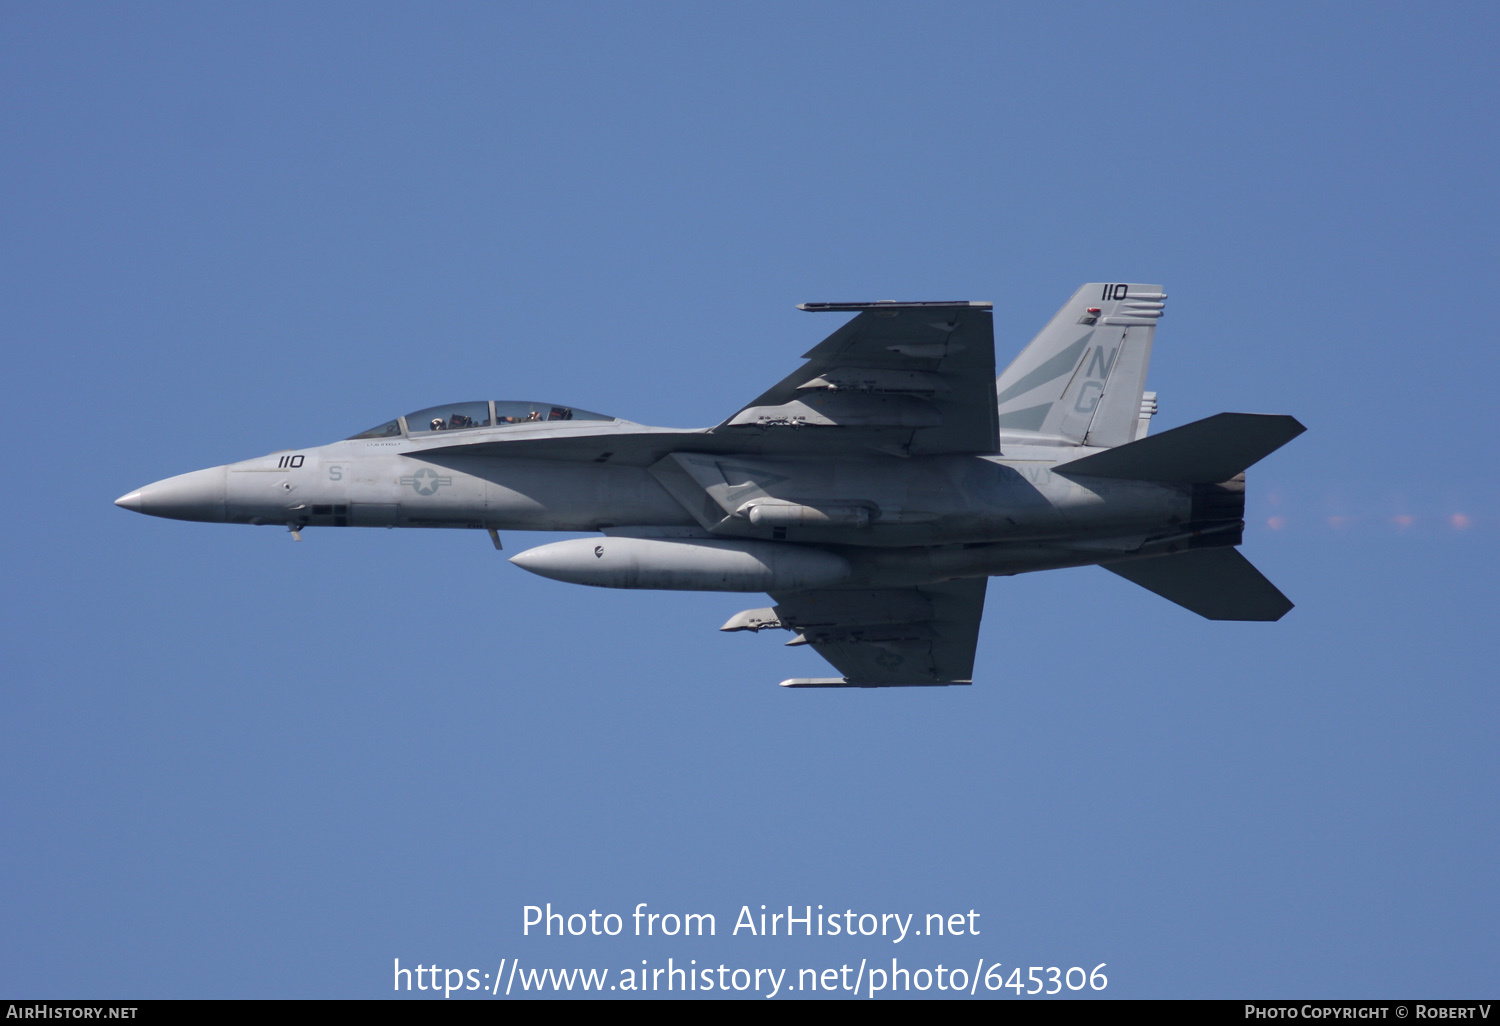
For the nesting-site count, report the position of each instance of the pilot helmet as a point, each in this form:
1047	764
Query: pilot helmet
437	424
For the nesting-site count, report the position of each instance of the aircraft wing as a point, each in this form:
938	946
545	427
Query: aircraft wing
893	637
909	378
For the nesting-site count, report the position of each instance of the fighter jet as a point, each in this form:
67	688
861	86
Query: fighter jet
871	493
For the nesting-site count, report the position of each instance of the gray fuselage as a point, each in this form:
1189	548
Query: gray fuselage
918	518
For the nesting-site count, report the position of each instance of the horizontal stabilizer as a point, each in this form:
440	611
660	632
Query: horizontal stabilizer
1203	452
1219	584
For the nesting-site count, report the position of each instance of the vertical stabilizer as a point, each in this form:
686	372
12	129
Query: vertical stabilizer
1083	377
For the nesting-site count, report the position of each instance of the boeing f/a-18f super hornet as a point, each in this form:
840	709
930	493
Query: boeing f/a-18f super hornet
871	493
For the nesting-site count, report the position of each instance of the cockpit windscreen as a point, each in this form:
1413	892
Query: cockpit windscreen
390	429
510	412
453	417
462	416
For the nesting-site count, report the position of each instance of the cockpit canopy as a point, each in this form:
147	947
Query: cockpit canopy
462	416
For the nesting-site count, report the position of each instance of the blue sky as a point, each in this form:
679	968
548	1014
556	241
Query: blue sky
231	765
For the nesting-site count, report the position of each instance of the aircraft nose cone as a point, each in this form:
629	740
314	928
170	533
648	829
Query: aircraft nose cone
195	496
